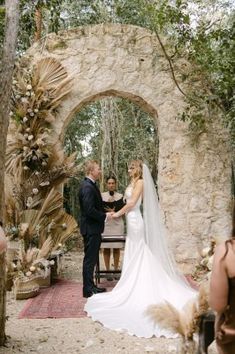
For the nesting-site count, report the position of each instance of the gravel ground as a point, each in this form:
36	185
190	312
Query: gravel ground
74	335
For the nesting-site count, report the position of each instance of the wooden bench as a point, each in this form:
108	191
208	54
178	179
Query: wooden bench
114	241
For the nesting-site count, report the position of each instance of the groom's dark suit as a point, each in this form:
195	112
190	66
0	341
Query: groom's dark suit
91	226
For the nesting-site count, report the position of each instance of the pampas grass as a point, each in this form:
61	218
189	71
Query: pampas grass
185	322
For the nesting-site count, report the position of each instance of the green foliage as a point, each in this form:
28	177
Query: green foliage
200	30
51	11
2	26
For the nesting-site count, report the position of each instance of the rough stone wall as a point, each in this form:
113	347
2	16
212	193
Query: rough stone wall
194	181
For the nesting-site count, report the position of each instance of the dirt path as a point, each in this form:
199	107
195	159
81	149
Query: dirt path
74	335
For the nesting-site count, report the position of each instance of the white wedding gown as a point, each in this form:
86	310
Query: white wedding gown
143	282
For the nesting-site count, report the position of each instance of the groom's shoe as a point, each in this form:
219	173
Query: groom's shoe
87	293
95	290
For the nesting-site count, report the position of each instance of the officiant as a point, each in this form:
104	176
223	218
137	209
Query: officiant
113	201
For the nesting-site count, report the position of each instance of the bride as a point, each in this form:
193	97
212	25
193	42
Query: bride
149	274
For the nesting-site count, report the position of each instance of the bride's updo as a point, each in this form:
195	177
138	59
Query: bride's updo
138	169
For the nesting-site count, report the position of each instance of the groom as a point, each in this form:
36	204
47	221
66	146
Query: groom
92	222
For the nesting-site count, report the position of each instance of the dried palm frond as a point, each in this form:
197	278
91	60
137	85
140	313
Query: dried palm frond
46	248
51	83
14	155
48	73
66	226
62	91
31	255
52	203
12	214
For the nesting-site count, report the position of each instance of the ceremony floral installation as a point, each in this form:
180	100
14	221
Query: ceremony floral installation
36	170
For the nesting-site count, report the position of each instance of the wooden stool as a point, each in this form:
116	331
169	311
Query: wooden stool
114	241
206	332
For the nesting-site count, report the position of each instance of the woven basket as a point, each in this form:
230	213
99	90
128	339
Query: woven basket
25	288
42	281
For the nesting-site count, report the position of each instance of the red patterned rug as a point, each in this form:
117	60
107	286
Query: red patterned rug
64	300
61	300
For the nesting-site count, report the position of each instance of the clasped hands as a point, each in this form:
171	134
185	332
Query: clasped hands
111	215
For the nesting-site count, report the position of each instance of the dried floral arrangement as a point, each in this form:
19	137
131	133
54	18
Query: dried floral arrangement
36	167
203	268
186	322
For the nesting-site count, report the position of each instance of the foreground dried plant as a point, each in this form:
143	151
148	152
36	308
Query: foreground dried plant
185	322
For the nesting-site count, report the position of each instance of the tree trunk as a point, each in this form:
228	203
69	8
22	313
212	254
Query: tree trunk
7	66
38	24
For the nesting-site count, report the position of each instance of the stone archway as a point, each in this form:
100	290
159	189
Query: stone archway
127	61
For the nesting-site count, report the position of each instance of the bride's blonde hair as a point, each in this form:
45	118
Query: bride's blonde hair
138	166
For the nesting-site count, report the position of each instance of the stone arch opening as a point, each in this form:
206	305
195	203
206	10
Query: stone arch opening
138	100
135	132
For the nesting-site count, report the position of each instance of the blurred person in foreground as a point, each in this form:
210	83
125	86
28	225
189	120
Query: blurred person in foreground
222	294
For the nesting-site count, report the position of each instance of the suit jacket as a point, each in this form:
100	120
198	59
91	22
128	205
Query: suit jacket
92	211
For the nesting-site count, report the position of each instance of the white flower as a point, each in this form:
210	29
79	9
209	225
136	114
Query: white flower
29	87
11	114
30	137
27	93
59	244
28	273
25	119
37	173
27	130
35	191
36	110
32	269
29	202
29	110
26	136
26	168
44	163
52	262
24	100
17	97
42	184
205	251
14	82
25	148
31	114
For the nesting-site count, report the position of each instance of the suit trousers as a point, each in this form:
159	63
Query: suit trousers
91	255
